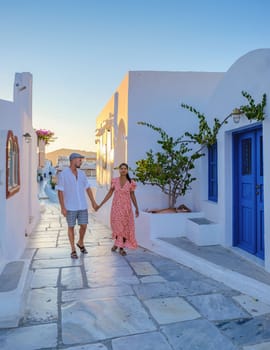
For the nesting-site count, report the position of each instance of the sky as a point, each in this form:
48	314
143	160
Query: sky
79	51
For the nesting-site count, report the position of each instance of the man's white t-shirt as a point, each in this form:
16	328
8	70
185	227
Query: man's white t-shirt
73	189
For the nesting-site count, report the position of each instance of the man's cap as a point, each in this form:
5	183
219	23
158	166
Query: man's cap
75	155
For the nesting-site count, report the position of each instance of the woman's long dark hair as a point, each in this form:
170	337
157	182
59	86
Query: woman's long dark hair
125	164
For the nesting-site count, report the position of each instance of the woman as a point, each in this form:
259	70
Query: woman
122	218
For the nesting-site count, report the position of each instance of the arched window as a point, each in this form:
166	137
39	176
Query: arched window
12	165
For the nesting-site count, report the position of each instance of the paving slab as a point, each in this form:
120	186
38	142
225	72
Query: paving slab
170	310
247	331
193	281
111	277
41	306
152	279
217	307
97	293
252	305
52	253
156	290
262	346
42	244
43	238
53	263
64	244
44	278
144	268
196	335
101	263
88	347
41	227
149	341
180	288
29	338
71	277
87	321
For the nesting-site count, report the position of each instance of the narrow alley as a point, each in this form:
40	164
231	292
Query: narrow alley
104	301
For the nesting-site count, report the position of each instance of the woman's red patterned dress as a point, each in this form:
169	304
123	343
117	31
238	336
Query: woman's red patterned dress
122	217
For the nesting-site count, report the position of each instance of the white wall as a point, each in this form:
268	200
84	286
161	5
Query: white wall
20	212
156	97
117	107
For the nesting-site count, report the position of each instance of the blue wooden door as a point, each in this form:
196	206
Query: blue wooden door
248	192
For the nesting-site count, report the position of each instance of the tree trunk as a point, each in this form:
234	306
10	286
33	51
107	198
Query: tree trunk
172	201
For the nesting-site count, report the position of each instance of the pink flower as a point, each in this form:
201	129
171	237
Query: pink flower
46	135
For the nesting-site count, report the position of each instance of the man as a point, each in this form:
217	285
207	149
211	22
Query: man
72	185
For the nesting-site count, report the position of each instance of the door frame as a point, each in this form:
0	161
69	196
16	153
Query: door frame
235	183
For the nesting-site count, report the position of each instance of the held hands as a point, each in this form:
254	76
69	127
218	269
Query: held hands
95	207
99	206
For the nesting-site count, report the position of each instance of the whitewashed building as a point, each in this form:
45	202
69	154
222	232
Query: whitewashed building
152	97
238	211
19	205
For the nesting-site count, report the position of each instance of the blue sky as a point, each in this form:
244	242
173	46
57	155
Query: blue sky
79	50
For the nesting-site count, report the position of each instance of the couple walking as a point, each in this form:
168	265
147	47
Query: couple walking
72	184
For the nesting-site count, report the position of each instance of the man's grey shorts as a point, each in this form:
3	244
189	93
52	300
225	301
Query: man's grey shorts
80	215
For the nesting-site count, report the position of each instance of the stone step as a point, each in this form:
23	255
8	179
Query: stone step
203	231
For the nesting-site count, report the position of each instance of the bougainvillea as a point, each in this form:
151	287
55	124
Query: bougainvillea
46	135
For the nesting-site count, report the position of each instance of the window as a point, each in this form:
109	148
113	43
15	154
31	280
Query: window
12	165
212	173
246	156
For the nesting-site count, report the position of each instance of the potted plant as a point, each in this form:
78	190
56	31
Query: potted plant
170	169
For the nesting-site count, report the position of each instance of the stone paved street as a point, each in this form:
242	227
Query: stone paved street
142	301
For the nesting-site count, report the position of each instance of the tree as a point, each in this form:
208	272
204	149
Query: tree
169	169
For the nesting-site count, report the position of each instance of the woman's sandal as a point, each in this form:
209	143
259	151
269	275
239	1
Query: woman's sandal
114	248
122	252
74	255
82	249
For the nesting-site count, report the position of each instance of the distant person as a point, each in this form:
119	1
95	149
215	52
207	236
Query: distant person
72	186
122	218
